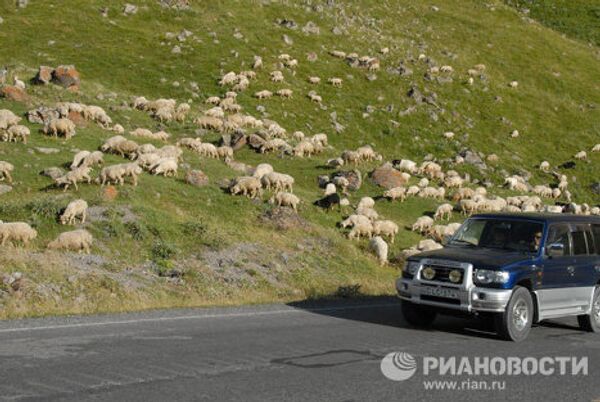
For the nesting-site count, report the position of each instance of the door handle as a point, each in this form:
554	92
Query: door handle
571	270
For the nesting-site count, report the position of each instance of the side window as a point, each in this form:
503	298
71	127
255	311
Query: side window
560	234
579	242
596	233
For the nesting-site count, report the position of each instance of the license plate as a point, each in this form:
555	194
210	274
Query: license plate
439	292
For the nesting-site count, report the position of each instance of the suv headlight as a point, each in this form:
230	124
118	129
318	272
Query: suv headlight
487	276
411	267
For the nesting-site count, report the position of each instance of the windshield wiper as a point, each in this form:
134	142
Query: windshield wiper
462	242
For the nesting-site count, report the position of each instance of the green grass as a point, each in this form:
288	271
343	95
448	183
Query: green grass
577	18
178	224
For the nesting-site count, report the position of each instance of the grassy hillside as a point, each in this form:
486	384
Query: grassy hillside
225	248
579	19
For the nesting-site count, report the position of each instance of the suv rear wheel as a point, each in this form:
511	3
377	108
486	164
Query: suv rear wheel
591	322
515	323
417	315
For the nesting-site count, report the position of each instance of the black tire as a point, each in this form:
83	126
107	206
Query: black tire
591	322
417	315
515	323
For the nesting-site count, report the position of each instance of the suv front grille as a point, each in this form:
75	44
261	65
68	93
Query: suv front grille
442	274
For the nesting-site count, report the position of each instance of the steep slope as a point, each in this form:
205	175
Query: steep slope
166	243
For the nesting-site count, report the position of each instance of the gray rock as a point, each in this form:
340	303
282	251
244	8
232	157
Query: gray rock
353	176
288	40
311	28
337	31
52	172
196	178
130	9
5	188
595	187
47	151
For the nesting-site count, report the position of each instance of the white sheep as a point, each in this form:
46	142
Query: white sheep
596	148
16	232
246	185
395	193
380	247
314	80
444	210
422	224
111	142
361	230
74	176
8	119
76	240
330	189
78	158
261	170
5	171
285	93
336	82
285	199
77	208
545	166
355	219
60	127
581	155
18	132
264	94
385	228
165	166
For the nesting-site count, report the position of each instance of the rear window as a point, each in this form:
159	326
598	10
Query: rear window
596	232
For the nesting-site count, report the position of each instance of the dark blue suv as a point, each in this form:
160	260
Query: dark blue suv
519	268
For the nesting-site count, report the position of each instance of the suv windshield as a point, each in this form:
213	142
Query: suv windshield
510	235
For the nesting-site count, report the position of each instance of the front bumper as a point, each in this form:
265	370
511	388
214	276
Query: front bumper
471	299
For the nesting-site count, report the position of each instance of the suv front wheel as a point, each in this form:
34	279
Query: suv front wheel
591	322
515	323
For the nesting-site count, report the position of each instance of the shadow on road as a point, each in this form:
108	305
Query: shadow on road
385	310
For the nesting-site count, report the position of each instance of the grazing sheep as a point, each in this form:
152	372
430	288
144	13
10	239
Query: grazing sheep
261	170
285	93
207	150
117	128
5	169
406	165
264	94
361	230
338	53
110	143
596	148
380	247
208	122
165	166
366	202
312	95
350	157
314	80
16	232
366	153
246	185
126	148
444	210
355	219
93	159
77	208
422	224
336	82
413	191
8	119
285	199
76	175
277	76
78	159
18	132
97	115
329	201
581	155
385	228
545	166
60	127
342	183
368	212
112	174
277	181
258	62
395	194
225	152
76	240
304	148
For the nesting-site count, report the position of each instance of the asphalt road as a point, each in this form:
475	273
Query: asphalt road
324	351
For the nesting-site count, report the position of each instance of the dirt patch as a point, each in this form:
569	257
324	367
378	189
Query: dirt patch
283	218
247	264
103	214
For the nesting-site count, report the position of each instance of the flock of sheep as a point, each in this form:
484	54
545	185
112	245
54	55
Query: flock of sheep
224	115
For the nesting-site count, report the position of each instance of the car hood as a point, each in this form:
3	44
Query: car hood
479	257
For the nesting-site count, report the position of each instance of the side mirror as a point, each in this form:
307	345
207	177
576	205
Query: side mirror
555	250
